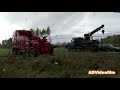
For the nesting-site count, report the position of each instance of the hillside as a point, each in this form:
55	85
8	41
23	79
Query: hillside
114	40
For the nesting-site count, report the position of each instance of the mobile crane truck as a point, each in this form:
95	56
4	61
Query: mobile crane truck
24	42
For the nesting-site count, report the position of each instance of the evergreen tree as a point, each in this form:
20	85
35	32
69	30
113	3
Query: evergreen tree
43	32
33	31
48	33
37	32
48	30
9	43
0	45
40	32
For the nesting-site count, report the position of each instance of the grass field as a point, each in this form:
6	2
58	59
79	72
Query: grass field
63	64
4	51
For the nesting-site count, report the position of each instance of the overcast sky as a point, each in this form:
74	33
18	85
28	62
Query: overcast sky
61	23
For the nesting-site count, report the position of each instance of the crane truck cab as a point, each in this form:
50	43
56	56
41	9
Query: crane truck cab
23	41
86	43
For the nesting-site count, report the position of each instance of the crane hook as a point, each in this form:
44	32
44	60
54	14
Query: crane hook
103	31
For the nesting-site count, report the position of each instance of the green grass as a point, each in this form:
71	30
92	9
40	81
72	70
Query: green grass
63	64
4	51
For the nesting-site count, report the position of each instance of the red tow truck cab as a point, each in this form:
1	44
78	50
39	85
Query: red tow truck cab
23	41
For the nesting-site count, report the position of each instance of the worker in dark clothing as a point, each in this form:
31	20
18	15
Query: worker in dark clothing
30	43
44	38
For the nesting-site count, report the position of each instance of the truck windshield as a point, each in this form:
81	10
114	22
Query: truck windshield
26	33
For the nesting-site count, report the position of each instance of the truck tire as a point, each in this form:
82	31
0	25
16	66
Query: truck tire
19	52
51	51
27	53
33	53
14	52
94	48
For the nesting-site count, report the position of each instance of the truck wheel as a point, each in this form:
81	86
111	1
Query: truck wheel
94	48
14	52
51	51
27	53
19	52
33	53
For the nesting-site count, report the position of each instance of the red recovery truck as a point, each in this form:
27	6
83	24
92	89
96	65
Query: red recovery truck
25	42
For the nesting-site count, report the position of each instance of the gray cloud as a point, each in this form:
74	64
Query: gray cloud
65	23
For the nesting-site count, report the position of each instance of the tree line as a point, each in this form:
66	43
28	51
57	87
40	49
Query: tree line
41	32
7	43
114	40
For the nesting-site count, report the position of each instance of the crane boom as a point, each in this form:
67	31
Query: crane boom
87	36
96	30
